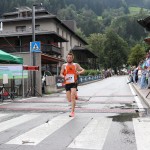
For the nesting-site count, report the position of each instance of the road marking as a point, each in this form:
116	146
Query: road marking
5	103
93	135
2	115
16	121
142	133
139	104
36	135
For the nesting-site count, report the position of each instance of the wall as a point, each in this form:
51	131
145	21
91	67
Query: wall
27	61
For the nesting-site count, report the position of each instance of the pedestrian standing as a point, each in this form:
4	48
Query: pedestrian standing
148	69
70	71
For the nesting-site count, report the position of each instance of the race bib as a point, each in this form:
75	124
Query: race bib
70	78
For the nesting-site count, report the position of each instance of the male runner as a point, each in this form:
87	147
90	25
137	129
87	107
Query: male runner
70	71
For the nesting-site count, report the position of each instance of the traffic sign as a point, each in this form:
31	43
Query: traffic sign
35	47
31	68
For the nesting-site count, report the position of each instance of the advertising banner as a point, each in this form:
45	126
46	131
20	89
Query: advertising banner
13	71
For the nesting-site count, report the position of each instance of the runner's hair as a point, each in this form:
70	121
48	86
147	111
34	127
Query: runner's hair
71	54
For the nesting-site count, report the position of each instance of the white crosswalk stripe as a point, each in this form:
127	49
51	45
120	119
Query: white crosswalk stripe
142	133
93	135
36	135
16	121
2	115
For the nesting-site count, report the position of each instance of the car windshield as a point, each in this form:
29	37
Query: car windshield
47	73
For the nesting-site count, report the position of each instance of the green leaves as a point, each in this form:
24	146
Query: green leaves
137	54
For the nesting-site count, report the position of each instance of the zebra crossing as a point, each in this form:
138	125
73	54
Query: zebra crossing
84	132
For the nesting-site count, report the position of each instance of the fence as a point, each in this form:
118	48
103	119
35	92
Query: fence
81	79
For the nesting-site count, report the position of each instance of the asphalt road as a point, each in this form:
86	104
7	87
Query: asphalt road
109	116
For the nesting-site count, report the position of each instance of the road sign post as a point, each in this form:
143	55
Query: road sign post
35	47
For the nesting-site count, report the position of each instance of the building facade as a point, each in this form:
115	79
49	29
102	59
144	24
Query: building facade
56	39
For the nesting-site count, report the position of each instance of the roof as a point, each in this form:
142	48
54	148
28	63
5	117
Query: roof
85	50
147	40
145	23
24	9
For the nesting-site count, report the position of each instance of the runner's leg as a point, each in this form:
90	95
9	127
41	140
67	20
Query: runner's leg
76	95
73	92
68	95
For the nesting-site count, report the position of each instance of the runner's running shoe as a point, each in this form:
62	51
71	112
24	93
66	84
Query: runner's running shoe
72	114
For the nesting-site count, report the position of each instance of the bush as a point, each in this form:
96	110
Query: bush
91	72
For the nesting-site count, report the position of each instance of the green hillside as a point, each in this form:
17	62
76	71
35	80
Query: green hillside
136	10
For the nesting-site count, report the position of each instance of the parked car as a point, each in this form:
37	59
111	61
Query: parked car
46	73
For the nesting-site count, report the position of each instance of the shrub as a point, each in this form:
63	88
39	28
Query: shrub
91	72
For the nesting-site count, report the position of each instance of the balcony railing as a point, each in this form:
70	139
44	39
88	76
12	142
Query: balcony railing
45	48
50	49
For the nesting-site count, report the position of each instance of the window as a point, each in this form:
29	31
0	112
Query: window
21	28
17	42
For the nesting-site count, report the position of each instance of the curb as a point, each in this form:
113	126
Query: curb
141	95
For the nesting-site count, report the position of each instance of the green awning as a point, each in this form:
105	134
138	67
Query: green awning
6	58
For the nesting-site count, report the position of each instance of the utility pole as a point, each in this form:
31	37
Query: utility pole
33	40
33	54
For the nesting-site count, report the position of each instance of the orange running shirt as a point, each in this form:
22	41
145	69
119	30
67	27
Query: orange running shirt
70	73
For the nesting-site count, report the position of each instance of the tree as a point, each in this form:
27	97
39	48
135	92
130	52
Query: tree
88	21
128	28
137	54
80	33
96	45
68	13
115	51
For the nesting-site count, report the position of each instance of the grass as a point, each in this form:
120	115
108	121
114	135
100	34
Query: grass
136	10
100	18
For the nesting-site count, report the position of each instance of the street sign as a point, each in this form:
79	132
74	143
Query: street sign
35	47
31	68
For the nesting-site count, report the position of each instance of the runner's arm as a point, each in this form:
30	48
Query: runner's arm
62	71
80	70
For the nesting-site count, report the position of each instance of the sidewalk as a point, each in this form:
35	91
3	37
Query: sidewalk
144	93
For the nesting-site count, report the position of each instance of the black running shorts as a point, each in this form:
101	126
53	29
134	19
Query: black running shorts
68	87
